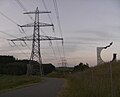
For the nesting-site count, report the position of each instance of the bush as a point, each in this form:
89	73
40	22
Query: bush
48	68
81	67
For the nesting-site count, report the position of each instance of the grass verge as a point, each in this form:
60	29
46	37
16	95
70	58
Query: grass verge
94	82
10	82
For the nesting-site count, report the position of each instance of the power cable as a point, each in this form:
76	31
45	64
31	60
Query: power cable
46	10
8	18
14	37
58	46
59	23
24	9
22	52
7	34
51	47
57	15
53	30
22	6
12	22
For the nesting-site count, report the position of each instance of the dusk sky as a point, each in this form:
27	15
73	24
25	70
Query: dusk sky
86	24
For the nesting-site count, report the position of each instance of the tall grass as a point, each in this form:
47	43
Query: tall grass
94	82
9	81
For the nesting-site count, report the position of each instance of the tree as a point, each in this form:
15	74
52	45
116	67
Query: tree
48	68
81	67
9	65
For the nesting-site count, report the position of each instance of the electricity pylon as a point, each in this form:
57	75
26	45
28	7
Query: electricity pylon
36	39
63	62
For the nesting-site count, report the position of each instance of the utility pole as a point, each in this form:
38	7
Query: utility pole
36	39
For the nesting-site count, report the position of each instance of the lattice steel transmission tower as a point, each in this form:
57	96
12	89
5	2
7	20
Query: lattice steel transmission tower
63	62
36	39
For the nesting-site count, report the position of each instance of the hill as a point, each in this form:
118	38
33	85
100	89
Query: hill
94	82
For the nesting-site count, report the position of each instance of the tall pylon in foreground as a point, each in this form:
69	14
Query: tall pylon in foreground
36	39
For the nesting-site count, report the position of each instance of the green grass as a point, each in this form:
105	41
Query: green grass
10	82
94	82
60	72
56	75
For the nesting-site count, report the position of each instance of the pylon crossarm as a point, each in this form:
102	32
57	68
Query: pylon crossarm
37	12
46	24
40	12
40	25
20	39
49	38
28	25
29	38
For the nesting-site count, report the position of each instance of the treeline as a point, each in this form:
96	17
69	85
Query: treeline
11	66
81	67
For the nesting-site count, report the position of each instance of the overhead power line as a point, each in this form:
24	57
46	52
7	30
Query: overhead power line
43	1
51	47
23	52
57	15
8	18
8	34
59	24
44	4
24	9
16	45
47	10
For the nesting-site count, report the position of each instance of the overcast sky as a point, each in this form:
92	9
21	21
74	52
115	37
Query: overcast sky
86	24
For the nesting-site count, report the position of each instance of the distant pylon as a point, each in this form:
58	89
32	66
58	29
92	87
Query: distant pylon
63	62
36	39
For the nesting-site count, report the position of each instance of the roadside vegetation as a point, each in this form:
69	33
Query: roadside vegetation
10	81
13	72
61	72
94	82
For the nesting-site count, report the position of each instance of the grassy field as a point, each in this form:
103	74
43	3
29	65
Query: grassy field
60	72
9	82
94	82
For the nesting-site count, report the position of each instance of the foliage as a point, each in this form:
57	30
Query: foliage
8	65
48	68
61	72
81	67
55	74
6	59
18	67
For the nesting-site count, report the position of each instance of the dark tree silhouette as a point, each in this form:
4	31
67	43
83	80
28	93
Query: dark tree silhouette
81	67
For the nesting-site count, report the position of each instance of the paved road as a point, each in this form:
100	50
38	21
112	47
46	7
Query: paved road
49	88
